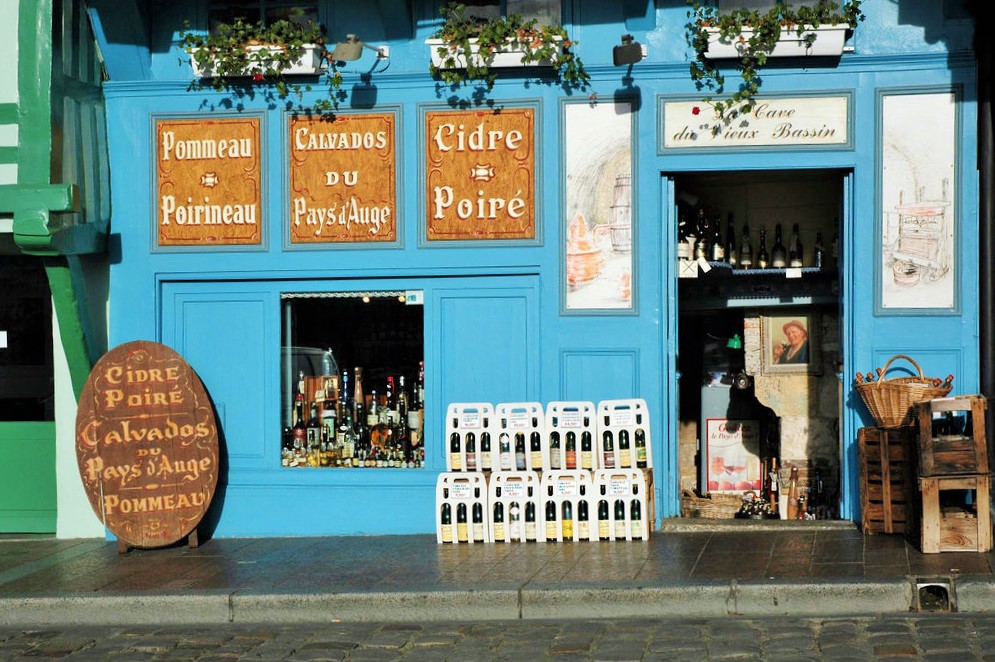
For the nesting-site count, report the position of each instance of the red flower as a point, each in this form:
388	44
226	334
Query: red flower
258	77
695	110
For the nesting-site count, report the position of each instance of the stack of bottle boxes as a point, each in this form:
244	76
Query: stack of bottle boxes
569	471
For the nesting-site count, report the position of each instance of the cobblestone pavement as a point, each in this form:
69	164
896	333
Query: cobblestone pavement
934	637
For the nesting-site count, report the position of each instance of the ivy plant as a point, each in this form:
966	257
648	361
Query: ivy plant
241	54
461	33
763	31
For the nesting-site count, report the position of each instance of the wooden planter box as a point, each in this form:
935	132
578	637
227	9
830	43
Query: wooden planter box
309	64
964	452
829	40
511	56
956	528
887	471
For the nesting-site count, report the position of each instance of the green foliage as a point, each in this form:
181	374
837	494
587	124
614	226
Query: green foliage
766	29
538	42
231	65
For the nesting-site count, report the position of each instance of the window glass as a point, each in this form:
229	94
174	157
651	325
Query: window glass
546	12
252	11
353	380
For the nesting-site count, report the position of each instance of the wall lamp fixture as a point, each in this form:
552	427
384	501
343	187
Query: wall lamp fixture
352	48
628	52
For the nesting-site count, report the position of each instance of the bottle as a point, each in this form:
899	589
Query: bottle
514	521
772	487
746	250
604	532
620	527
796	257
504	452
568	520
793	494
455	455
478	522
731	256
313	428
716	249
550	521
535	450
485	451
583	525
571	450
446	520
624	451
499	531
300	426
819	252
531	534
763	260
608	448
586	452
702	247
554	450
683	248
471	451
636	519
461	532
520	451
641	453
778	254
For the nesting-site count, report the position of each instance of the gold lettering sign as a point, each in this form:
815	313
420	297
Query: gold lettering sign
480	174
146	444
343	179
208	182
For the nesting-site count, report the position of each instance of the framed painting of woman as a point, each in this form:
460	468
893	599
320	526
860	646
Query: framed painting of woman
790	344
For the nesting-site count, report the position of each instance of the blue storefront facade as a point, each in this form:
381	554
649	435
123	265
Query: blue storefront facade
883	133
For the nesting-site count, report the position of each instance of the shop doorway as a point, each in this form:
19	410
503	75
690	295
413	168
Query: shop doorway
759	344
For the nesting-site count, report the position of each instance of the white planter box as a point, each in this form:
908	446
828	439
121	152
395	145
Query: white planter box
309	64
511	56
828	42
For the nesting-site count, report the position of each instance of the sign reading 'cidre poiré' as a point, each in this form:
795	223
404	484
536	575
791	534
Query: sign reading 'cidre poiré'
343	179
480	174
208	182
147	444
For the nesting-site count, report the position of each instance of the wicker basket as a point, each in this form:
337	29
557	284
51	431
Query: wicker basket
712	505
892	401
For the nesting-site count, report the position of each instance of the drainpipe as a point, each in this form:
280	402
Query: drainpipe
986	237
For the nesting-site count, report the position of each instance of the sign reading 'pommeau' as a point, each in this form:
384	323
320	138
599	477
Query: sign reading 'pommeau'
208	177
147	444
480	174
772	122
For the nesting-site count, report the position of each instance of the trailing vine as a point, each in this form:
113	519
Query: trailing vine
764	29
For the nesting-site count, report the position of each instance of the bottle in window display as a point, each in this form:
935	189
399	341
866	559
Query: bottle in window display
731	256
586	450
620	520
499	533
471	451
505	458
763	259
535	449
551	521
455	455
520	451
554	450
300	427
571	449
641	453
624	449
461	531
717	250
746	249
795	251
778	254
568	520
514	521
583	525
604	532
313	431
636	517
819	254
608	448
531	529
478	522
486	461
446	520
702	246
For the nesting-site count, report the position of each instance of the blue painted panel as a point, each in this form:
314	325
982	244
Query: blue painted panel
597	375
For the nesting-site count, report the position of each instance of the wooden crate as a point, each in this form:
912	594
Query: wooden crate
887	471
955	528
965	452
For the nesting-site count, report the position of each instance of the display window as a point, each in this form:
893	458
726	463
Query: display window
353	380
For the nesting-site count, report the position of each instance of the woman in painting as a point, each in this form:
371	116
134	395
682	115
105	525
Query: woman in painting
795	350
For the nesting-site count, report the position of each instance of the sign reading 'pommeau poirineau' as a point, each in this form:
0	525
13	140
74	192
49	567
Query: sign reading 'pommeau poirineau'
147	444
773	122
480	174
208	177
343	179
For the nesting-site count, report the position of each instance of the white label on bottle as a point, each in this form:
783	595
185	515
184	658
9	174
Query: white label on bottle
566	488
618	487
460	491
622	417
518	420
513	490
571	419
470	420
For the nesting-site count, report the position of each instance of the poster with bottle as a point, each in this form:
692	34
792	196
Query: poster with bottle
732	455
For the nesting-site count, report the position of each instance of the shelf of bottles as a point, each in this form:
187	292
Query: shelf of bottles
367	416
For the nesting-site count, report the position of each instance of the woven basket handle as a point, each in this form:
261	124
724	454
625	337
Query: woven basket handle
884	371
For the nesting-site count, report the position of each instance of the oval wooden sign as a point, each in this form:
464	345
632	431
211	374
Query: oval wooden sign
147	444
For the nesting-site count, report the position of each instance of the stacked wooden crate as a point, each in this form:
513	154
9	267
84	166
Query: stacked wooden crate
954	479
887	472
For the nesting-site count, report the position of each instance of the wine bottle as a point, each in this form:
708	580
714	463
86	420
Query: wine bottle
819	252
568	520
746	250
571	450
300	426
583	525
796	257
636	519
763	259
608	449
485	451
471	451
554	450
701	247
455	454
717	250
478	522
620	527
520	451
535	450
531	532
624	450
499	531
514	521
683	248
461	532
641	452
778	254
586	452
604	531
505	459
446	520
550	521
731	256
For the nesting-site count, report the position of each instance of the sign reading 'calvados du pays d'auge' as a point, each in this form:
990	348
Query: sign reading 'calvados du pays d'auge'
208	177
343	178
147	444
480	174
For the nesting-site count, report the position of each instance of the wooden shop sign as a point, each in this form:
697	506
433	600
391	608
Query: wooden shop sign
147	444
480	174
343	179
208	177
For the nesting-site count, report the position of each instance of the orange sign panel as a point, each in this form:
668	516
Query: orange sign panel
147	444
343	179
480	174
208	177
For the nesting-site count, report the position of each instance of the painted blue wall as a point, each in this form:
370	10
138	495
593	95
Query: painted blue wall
493	324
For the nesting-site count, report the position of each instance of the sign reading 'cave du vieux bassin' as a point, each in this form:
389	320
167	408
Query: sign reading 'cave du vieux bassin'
480	174
208	175
343	178
147	444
